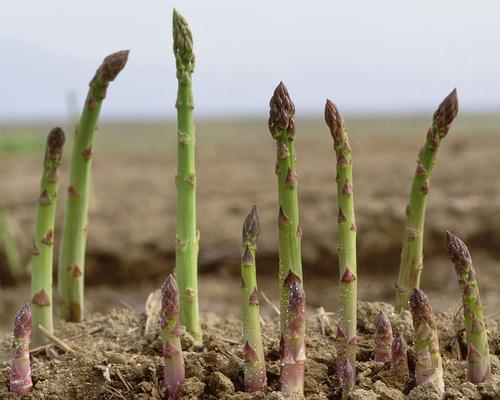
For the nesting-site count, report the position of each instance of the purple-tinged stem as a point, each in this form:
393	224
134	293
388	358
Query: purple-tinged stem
20	375
399	356
174	372
383	338
478	354
293	346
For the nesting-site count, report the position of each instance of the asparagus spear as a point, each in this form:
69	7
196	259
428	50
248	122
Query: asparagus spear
293	346
383	338
43	242
187	236
20	375
282	127
428	367
399	355
255	364
174	372
9	246
346	333
74	238
413	240
478	354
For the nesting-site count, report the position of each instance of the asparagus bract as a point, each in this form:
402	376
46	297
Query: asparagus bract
478	354
20	375
255	364
383	338
399	355
174	372
43	242
282	127
346	333
72	257
413	239
428	366
187	236
293	345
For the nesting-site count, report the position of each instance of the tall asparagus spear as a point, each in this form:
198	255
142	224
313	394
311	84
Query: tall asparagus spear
346	335
187	236
478	354
20	375
43	242
174	372
293	345
255	364
9	246
428	366
74	238
282	127
399	356
383	338
413	239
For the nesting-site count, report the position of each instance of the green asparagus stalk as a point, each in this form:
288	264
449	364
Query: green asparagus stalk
43	242
20	375
174	371
9	246
413	238
187	236
383	338
346	333
74	238
399	356
478	354
428	366
282	127
293	345
255	364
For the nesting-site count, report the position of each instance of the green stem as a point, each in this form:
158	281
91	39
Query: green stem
255	365
346	363
9	246
282	128
187	235
72	256
43	242
413	238
478	355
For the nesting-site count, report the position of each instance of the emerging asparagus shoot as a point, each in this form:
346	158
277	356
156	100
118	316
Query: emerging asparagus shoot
255	365
293	346
429	366
413	239
383	338
399	356
174	372
20	376
43	242
346	333
187	236
282	127
72	257
478	354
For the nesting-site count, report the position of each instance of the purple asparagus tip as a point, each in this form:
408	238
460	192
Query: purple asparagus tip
446	112
251	227
459	254
419	304
169	300
111	66
399	355
55	141
383	338
282	111
334	120
20	377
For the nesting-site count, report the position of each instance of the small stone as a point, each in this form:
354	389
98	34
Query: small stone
220	385
387	393
427	391
192	388
362	394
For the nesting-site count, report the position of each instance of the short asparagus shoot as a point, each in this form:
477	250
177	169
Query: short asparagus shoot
293	345
346	332
399	356
282	127
478	352
43	242
71	267
383	338
187	235
413	238
429	367
255	364
20	375
174	372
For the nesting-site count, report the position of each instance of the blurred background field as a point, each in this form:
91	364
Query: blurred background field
132	216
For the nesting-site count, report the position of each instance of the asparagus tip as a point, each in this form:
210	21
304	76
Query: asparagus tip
183	39
251	227
419	304
169	299
458	251
22	324
282	110
55	140
446	112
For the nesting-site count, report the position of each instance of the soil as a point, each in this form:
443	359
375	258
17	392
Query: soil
112	358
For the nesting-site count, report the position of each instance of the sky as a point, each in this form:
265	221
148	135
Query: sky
384	56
